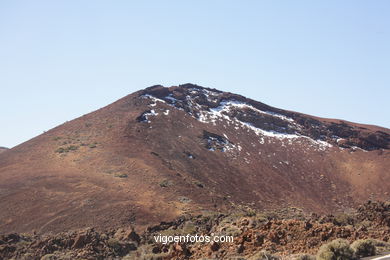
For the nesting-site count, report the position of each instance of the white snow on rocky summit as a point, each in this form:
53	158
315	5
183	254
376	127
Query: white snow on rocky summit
146	115
221	113
153	98
218	113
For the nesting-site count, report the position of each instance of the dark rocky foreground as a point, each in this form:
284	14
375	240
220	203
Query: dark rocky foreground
285	233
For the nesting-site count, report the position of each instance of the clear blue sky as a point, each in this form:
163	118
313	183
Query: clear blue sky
62	59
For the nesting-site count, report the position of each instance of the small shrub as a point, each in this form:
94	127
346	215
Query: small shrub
183	199
381	246
261	218
60	150
67	149
364	247
92	145
121	175
338	249
165	183
232	231
343	220
380	243
250	212
72	147
305	257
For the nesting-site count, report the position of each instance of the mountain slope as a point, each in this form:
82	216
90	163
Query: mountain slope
162	152
3	149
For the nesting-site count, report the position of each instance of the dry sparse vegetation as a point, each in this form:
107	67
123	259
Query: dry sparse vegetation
337	249
67	149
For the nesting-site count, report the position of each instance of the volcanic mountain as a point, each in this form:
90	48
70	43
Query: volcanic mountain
163	152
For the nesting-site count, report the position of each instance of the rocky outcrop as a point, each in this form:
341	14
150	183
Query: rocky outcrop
195	100
287	232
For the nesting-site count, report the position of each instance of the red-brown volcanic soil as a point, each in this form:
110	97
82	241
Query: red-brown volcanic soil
162	152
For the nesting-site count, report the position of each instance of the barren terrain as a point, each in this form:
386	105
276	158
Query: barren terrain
161	153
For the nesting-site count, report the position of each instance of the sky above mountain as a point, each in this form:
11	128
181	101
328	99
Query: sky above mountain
59	60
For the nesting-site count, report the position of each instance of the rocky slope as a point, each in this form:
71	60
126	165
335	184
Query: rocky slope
162	152
285	234
3	149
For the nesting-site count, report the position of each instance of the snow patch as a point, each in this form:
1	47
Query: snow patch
153	98
221	113
145	116
217	113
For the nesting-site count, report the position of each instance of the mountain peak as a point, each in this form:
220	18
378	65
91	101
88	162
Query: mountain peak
163	152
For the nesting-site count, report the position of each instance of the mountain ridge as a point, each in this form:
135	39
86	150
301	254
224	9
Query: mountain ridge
160	90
